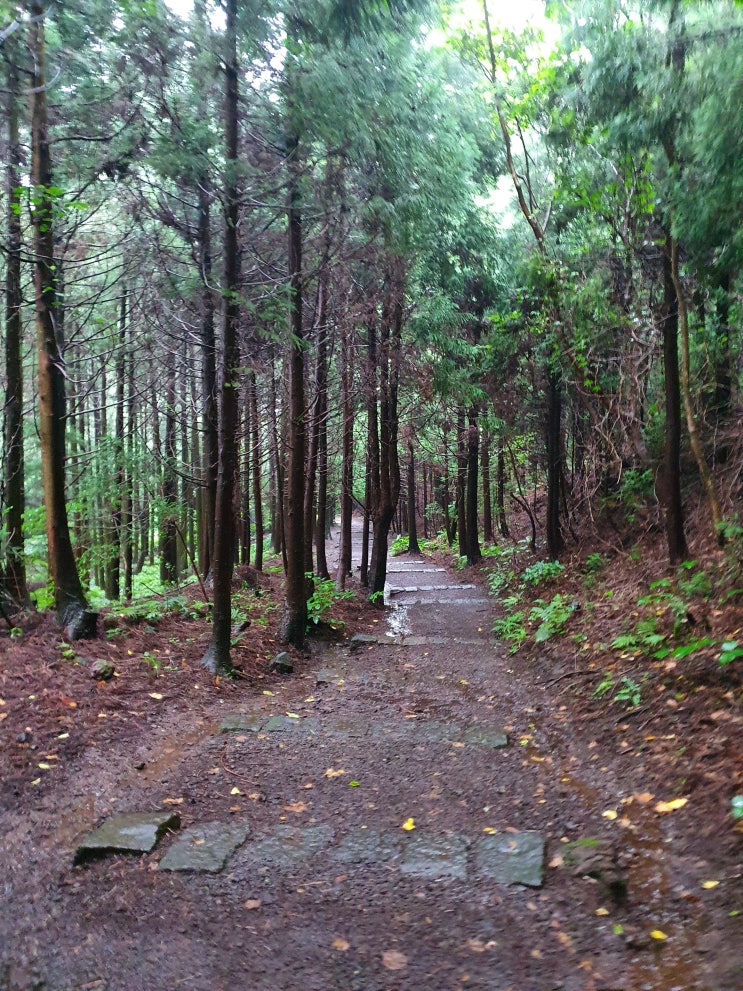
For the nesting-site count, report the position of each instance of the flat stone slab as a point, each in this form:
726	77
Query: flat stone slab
345	727
327	675
285	724
205	848
367	846
485	737
443	856
136	832
513	858
243	722
288	846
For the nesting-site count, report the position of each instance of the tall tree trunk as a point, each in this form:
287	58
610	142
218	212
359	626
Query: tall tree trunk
70	601
255	445
473	450
210	414
217	659
127	495
500	490
487	502
345	549
413	546
113	572
691	421
294	621
554	462
671	487
386	484
168	526
14	477
461	482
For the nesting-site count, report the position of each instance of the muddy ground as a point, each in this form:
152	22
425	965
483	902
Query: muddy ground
375	805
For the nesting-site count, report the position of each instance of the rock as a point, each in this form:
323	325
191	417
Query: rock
205	848
137	832
241	722
436	857
102	670
281	664
512	858
359	640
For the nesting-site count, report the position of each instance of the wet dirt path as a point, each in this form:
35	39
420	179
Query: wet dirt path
419	818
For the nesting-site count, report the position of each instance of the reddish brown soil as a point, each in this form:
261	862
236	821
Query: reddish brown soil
76	750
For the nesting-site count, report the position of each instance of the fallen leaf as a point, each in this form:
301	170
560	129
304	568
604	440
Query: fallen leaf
489	829
293	715
675	803
610	814
44	766
199	842
354	784
155	695
409	824
709	884
556	862
295	807
602	911
332	773
235	791
70	703
172	801
393	960
478	946
341	944
252	903
266	692
310	698
658	934
36	781
536	954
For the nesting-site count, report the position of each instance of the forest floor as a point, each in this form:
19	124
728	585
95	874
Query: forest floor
421	809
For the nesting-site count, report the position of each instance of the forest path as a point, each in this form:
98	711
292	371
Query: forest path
408	813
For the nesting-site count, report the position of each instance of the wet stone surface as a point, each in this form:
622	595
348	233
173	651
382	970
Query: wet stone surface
285	724
243	722
367	846
435	857
136	832
205	847
485	737
287	846
511	858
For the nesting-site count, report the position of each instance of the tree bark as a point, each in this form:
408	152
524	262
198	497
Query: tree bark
554	463
413	546
671	486
473	445
14	475
255	444
70	601
217	659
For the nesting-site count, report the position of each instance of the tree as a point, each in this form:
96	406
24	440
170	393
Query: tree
71	604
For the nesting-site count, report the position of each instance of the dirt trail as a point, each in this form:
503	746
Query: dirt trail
386	820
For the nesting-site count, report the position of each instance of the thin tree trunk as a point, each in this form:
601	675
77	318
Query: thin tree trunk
345	562
168	528
255	444
500	490
671	488
554	463
461	482
413	546
691	421
487	503
473	450
14	476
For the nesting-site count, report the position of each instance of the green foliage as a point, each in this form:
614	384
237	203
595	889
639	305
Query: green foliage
323	597
594	563
635	491
512	629
400	545
542	572
626	690
551	616
730	651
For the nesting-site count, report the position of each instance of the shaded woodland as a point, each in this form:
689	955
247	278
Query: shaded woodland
269	264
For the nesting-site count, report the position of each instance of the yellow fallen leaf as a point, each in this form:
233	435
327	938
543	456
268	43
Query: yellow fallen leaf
610	814
235	791
266	692
602	911
44	766
394	960
340	944
155	695
332	773
63	736
675	803
556	861
172	801
709	884
199	842
489	829
409	824
658	934
293	715
252	903
36	781
310	698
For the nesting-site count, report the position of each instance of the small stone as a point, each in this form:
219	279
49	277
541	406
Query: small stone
281	664
359	640
242	722
137	832
102	670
